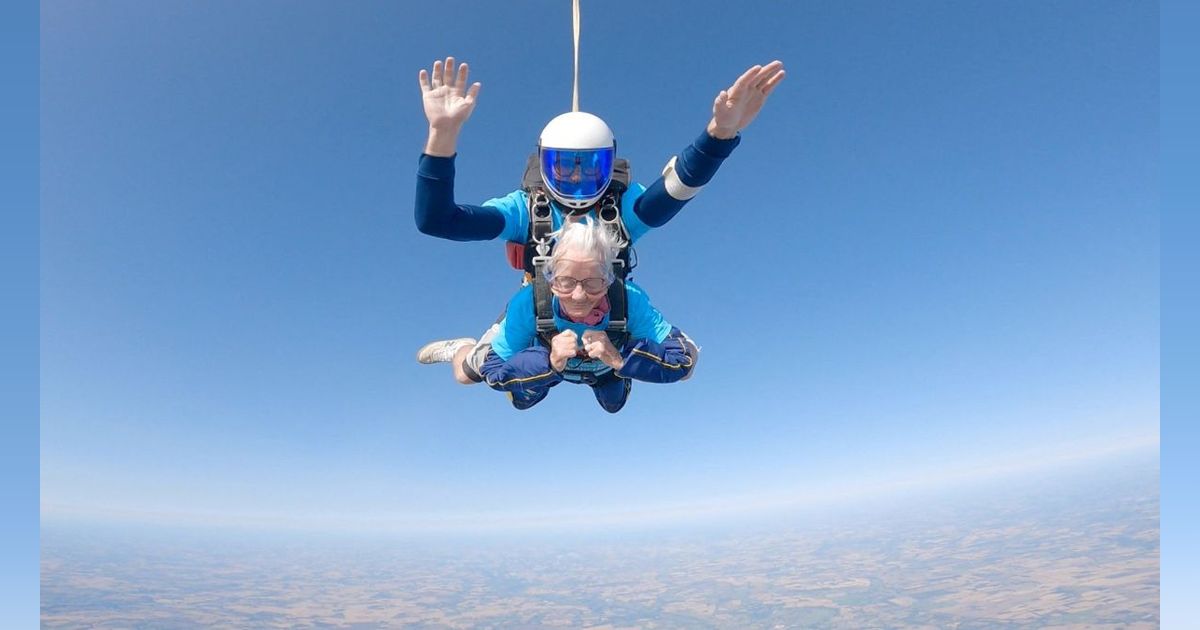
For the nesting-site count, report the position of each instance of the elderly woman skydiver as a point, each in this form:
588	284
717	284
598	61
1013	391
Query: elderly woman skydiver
513	357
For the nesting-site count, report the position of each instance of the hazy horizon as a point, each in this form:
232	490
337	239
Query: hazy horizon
730	512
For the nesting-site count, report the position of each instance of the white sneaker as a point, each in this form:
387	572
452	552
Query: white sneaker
442	351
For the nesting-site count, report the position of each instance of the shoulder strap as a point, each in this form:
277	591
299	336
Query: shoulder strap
618	313
543	308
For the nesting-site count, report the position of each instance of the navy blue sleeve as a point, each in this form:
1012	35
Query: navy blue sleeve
666	362
525	373
694	168
438	215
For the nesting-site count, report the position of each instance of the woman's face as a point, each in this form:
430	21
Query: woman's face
578	302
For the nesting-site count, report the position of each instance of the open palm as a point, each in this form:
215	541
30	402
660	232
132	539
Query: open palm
735	108
447	100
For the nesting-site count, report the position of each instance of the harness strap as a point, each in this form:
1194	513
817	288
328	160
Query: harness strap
541	223
618	314
540	227
543	305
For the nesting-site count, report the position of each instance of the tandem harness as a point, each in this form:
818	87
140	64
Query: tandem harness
533	257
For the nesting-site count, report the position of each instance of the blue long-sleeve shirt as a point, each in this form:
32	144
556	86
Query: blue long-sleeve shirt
437	214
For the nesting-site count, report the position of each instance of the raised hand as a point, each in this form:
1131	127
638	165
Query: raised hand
735	108
597	345
447	100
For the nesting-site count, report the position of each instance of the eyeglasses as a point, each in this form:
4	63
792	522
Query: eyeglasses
567	284
570	166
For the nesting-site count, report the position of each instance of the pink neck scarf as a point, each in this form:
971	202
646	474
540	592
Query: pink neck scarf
595	317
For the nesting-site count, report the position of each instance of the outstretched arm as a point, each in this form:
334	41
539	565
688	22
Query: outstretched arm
733	110
667	361
438	215
448	104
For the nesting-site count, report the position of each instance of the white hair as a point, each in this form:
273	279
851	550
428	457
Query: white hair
588	238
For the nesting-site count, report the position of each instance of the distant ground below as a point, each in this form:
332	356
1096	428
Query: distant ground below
1069	551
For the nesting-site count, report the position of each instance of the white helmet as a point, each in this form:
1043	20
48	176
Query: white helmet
576	151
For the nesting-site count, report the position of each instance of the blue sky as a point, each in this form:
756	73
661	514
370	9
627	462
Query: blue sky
937	246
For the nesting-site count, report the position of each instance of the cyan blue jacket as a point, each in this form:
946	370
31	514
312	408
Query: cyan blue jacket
438	215
519	363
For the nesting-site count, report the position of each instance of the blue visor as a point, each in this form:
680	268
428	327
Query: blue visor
577	173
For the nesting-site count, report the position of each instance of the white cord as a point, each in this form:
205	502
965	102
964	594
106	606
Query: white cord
575	18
